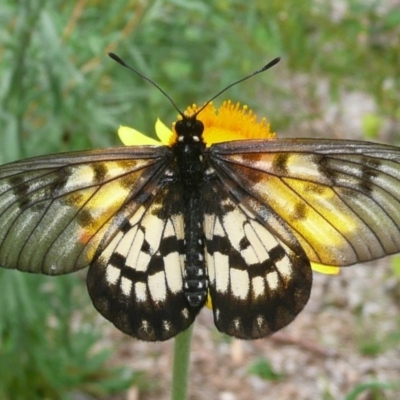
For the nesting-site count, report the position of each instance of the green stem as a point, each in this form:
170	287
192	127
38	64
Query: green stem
181	364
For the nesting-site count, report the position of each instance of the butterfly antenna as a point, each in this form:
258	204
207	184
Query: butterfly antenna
124	64
264	68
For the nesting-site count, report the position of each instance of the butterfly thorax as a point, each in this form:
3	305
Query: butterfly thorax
188	151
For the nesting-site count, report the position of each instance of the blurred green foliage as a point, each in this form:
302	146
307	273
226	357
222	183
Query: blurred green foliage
47	351
373	390
263	369
59	92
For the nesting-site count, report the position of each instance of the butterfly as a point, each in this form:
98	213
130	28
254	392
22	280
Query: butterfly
165	227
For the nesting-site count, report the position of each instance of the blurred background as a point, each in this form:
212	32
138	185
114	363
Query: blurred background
59	91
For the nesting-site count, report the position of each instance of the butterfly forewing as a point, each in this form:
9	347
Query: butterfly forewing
137	280
257	283
340	198
56	210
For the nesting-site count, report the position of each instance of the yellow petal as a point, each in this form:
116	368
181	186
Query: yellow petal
163	132
325	269
209	301
132	137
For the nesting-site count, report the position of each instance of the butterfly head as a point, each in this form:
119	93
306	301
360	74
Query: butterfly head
189	129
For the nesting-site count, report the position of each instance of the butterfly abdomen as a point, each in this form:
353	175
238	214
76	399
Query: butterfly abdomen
188	151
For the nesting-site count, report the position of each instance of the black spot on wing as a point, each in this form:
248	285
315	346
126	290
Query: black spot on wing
300	211
156	265
279	164
100	171
368	173
133	275
85	218
18	185
325	168
74	198
117	260
277	253
125	225
145	247
56	187
170	245
244	243
219	244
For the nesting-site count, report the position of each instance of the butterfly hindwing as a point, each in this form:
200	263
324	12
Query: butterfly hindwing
257	283
137	280
56	210
340	198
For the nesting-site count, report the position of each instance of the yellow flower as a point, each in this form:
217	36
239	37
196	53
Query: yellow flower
228	122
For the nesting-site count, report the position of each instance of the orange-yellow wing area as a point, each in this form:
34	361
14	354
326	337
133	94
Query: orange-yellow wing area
340	198
56	210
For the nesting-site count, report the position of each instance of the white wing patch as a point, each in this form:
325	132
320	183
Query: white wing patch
135	248
112	274
240	283
253	244
272	280
126	286
158	286
222	261
140	290
174	265
259	286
